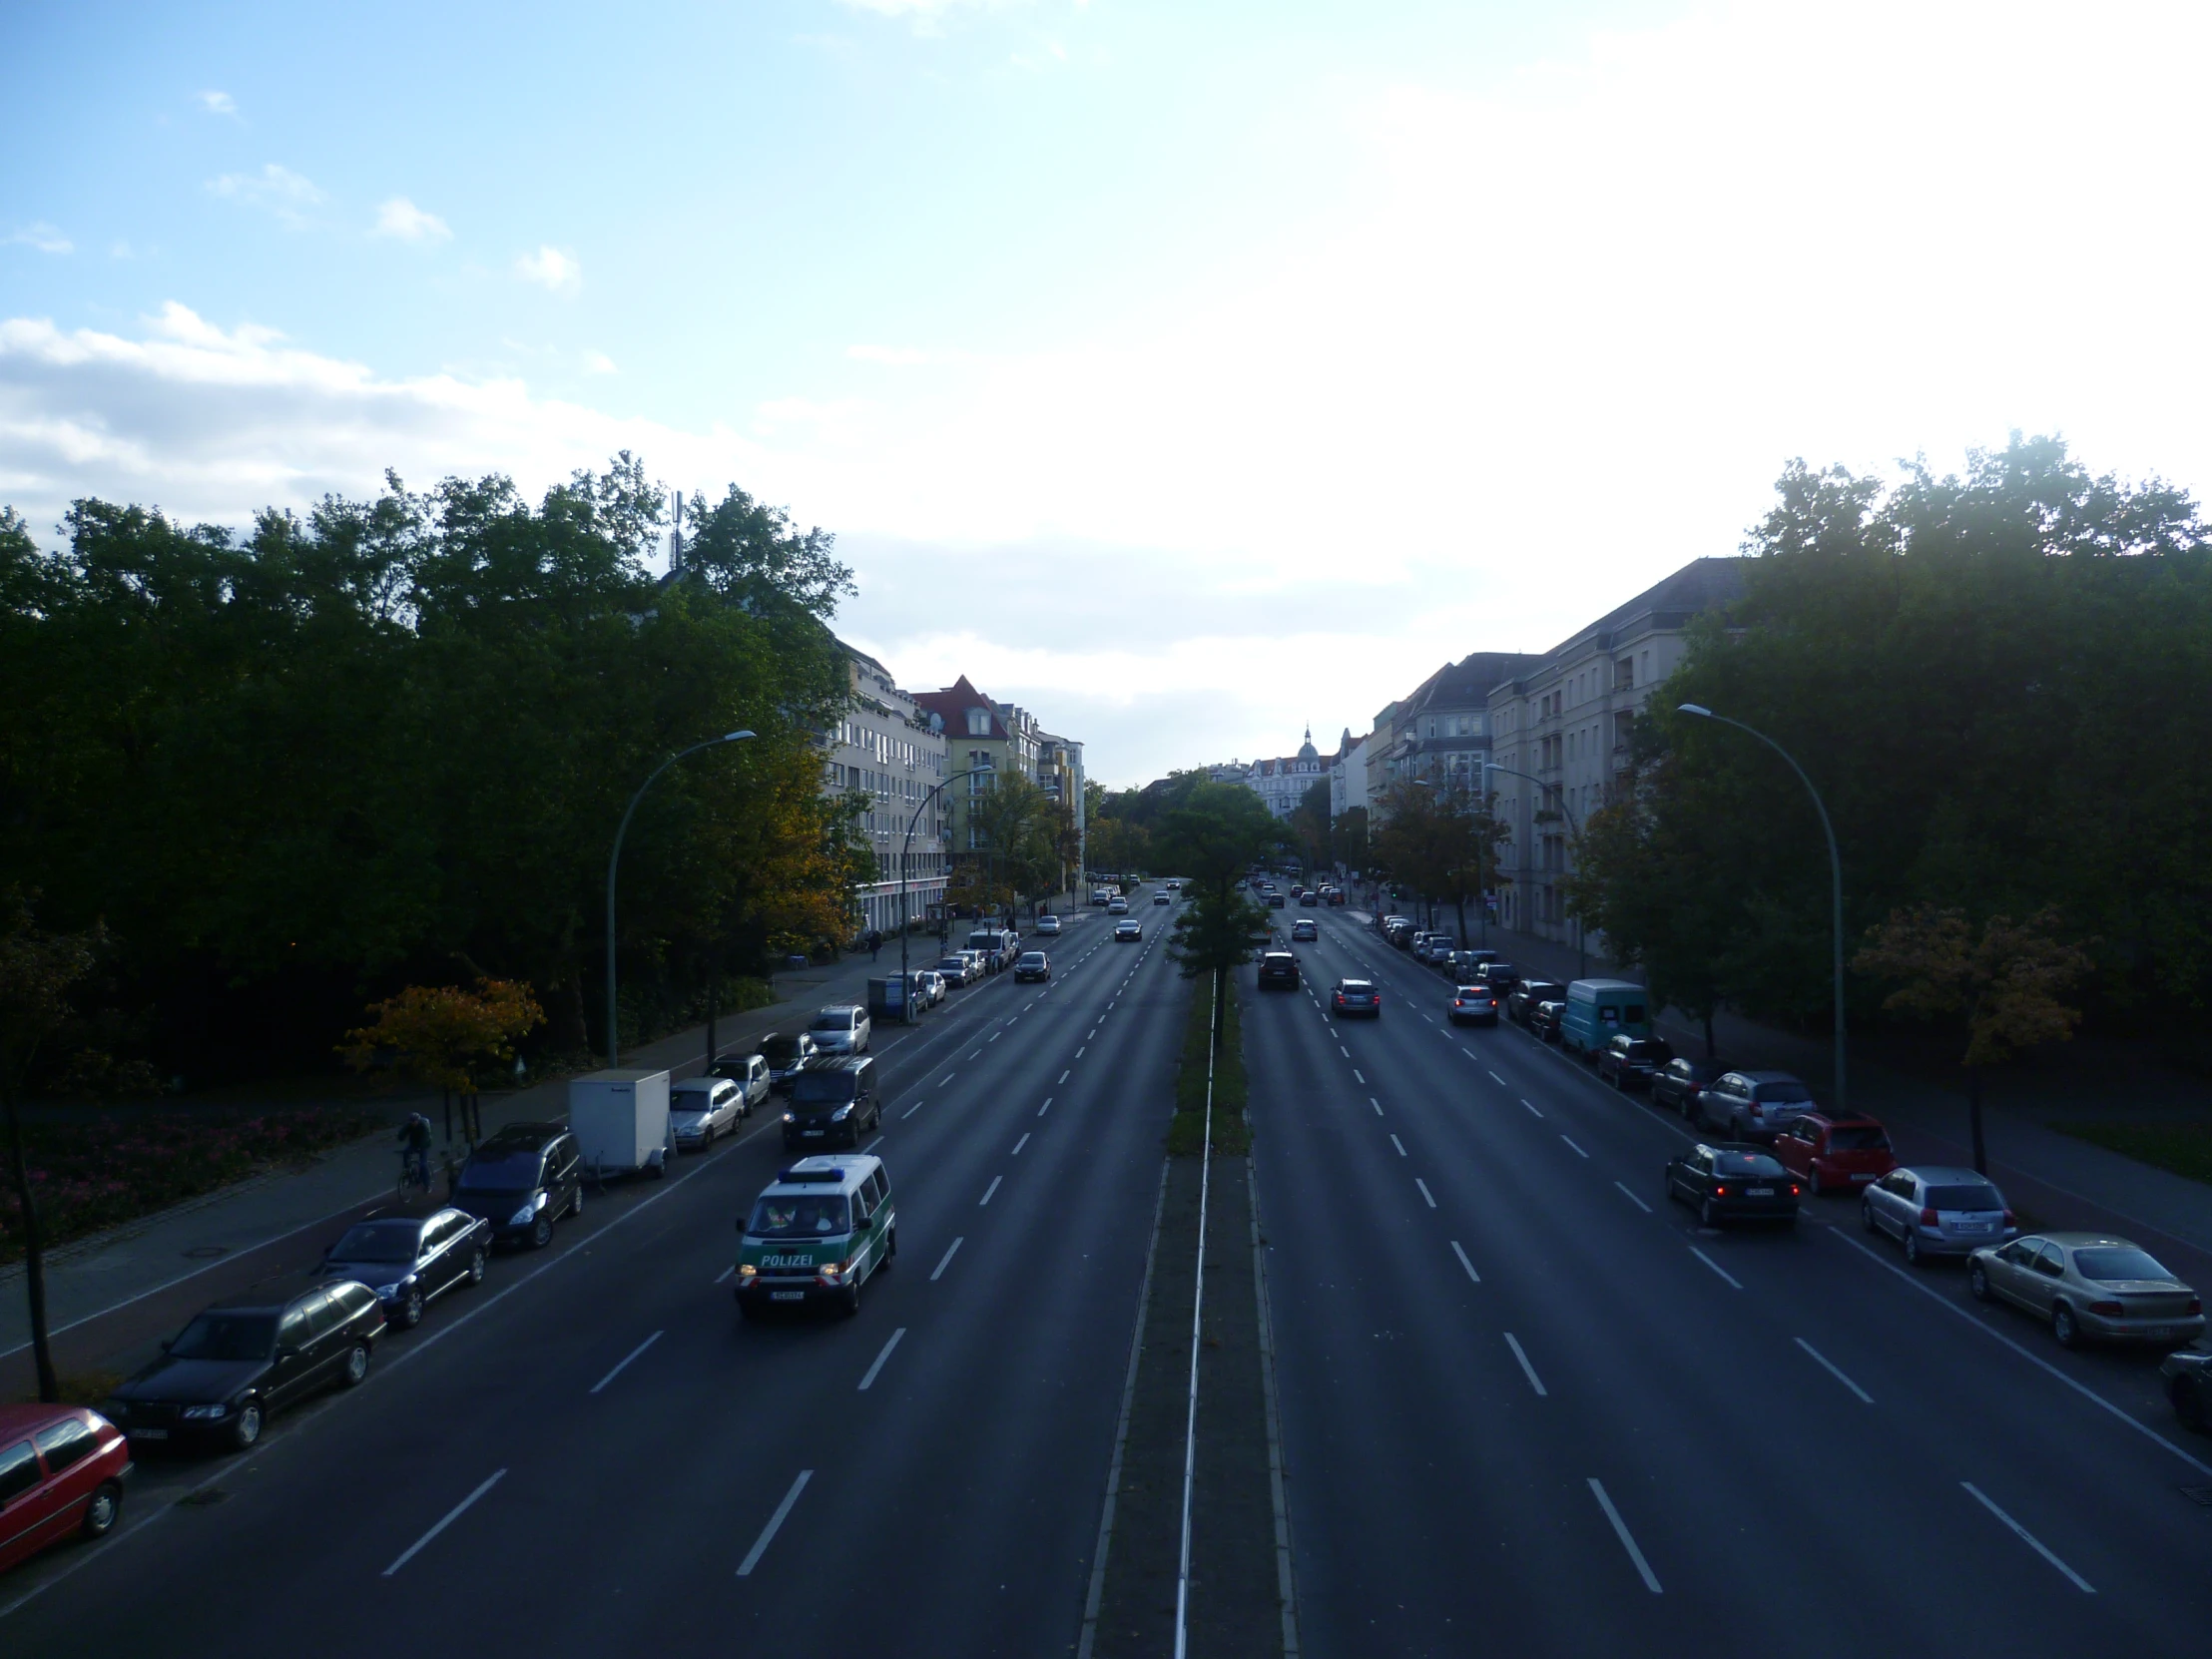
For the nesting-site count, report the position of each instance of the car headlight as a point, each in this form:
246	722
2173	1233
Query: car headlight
791	1117
524	1216
840	1114
204	1414
745	1269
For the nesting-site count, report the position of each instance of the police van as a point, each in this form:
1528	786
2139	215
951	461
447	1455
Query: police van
816	1233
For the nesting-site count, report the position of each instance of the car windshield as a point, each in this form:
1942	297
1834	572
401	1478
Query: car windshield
1963	1198
780	1051
226	1337
501	1170
815	1088
798	1216
1857	1137
1782	1094
2111	1262
1745	1163
1647	1048
1032	958
378	1241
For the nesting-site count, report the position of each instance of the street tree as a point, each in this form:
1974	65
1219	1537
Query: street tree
1442	841
1209	839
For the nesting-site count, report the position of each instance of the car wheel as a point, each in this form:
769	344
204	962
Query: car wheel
1977	1281
850	1300
357	1364
2064	1327
890	1246
410	1310
1912	1248
104	1510
477	1268
748	1312
246	1427
1706	1215
2188	1398
541	1230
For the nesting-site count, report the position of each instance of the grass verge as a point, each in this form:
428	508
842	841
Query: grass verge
1232	1129
2183	1148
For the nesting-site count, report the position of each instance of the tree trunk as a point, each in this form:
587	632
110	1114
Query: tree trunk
1708	1033
34	1262
1973	1119
1459	904
445	1099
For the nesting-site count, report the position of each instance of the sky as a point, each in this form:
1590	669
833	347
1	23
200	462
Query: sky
1183	371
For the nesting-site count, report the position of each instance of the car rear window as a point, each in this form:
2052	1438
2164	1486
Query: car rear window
832	1022
1858	1137
1356	986
1963	1198
1745	1163
1786	1093
2107	1263
1647	1048
779	1051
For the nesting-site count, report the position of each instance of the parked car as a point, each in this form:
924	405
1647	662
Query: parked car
1631	1062
1829	1152
1033	965
2091	1286
410	1263
785	1055
841	1028
1355	996
1677	1084
1303	931
1732	1180
1500	975
1127	930
242	1359
1472	1006
1753	1105
931	984
523	1180
1048	925
2188	1376
957	968
701	1108
1937	1212
1546	1017
833	1101
62	1469
1521	1000
1275	902
751	1073
1278	972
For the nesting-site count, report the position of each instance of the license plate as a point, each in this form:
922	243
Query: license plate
149	1434
814	1132
2158	1333
787	1296
1969	1227
1862	1175
1759	1192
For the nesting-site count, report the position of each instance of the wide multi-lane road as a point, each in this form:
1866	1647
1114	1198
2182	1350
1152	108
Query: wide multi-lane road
1530	1408
592	1454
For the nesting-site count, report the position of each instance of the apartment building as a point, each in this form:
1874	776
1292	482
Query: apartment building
1060	775
1281	783
887	747
982	739
1440	734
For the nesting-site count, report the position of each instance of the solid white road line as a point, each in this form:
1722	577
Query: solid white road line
881	1357
1533	1107
1829	1365
1620	1531
1578	1152
1529	1371
451	1515
1018	1145
1633	1199
1376	1104
1046	1107
726	1273
774	1521
1424	1192
1715	1266
1464	1262
945	1260
623	1363
2028	1538
987	1191
1401	1145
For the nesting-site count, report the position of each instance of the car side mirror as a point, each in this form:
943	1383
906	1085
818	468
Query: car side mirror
286	1352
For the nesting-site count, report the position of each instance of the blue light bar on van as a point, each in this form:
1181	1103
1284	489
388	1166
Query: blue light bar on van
795	1174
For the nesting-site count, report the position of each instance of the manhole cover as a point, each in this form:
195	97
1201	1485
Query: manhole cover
2198	1494
202	1498
202	1253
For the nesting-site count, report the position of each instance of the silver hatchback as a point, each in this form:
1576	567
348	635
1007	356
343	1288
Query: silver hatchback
1937	1212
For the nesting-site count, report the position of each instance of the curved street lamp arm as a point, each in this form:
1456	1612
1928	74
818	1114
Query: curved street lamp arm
907	852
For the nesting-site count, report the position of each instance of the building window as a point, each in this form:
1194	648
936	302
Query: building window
979	722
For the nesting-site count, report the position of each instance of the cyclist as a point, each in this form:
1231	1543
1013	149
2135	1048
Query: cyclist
415	1134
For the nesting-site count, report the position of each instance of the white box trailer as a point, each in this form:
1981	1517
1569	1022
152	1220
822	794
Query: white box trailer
620	1121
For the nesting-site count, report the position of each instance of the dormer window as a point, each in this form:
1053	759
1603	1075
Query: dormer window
979	722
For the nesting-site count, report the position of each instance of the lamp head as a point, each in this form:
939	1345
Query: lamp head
1697	709
736	737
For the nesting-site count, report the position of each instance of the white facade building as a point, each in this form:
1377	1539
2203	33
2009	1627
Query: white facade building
884	747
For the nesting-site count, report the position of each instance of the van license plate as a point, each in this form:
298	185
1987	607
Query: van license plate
787	1296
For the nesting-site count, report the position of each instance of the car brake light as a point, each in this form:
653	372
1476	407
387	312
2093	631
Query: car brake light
2010	1220
1928	1218
1793	1188
2110	1310
2196	1305
1720	1192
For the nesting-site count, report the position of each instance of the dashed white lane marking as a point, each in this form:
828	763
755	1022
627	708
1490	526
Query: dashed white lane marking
1018	1145
945	1260
1064	1079
1357	1077
1046	1107
1716	1267
1464	1262
1424	1192
881	1357
1401	1145
1080	1052
1092	1032
873	1145
1826	1365
726	1273
774	1522
451	1515
987	1191
621	1364
2028	1538
1533	1107
1632	1198
912	1110
1376	1104
995	1035
1620	1531
1529	1371
1577	1151
1345	1052
1500	1081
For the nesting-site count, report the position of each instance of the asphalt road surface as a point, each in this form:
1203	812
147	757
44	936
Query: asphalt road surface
1528	1407
592	1454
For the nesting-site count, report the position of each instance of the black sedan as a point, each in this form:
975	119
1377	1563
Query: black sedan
1543	1019
1522	1004
1677	1084
1355	996
1629	1062
1732	1180
410	1263
240	1360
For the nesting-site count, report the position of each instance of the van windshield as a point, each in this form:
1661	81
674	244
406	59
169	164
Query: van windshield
816	1088
798	1216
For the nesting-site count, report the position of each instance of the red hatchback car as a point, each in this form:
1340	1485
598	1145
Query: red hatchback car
61	1472
1834	1151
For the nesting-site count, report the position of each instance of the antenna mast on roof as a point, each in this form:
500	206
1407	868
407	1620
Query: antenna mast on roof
676	538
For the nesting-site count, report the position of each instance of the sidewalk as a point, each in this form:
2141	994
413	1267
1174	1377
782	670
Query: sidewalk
215	1236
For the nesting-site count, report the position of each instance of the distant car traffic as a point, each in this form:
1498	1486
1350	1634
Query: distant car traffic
1033	965
1732	1180
410	1263
2090	1287
61	1472
1356	997
1117	907
1473	1005
1160	897
1128	928
1835	1152
1937	1211
1048	925
1278	972
1303	932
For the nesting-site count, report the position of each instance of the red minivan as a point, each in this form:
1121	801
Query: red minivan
1835	1152
61	1472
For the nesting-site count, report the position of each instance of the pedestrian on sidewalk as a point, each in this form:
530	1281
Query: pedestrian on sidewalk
874	943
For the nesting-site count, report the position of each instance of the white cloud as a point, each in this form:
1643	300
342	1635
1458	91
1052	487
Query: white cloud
275	189
217	102
43	236
597	362
552	269
401	218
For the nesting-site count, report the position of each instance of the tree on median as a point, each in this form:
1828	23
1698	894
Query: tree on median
1209	839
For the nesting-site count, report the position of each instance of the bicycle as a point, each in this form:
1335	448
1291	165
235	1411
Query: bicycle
414	1175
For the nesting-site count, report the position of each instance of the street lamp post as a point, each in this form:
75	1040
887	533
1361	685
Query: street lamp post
1835	875
1581	939
614	858
905	855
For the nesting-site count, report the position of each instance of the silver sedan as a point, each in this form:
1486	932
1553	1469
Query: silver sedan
2089	1285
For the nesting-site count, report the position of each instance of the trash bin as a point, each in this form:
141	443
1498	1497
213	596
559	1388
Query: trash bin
791	964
